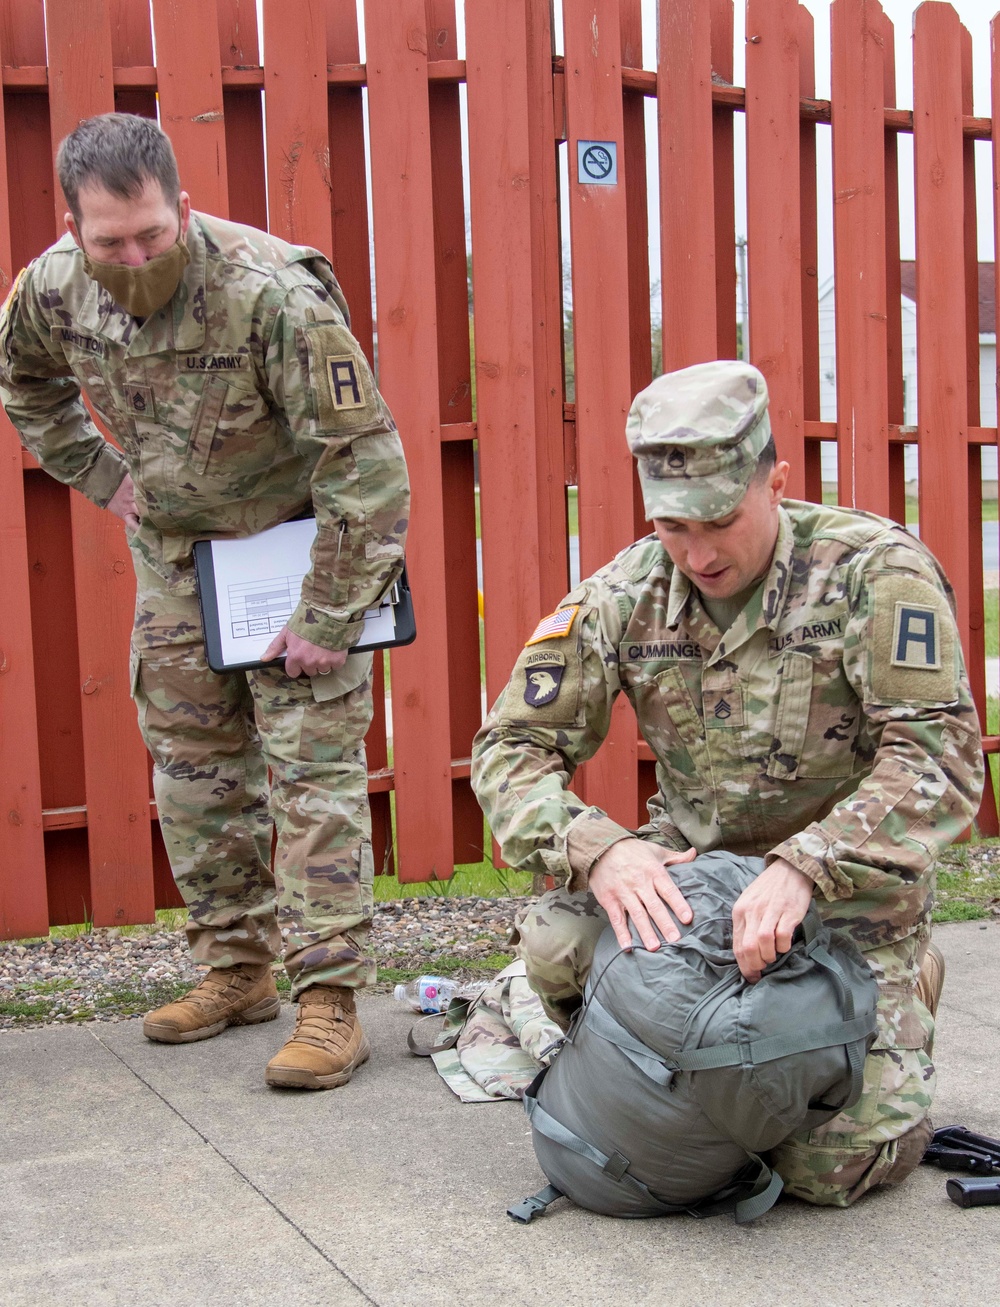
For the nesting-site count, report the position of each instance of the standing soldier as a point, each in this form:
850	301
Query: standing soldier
216	355
797	673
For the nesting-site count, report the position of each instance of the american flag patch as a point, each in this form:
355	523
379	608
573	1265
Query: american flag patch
556	624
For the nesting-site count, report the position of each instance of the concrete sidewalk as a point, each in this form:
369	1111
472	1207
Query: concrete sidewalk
147	1175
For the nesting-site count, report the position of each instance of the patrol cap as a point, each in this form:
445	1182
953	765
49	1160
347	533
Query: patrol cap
697	435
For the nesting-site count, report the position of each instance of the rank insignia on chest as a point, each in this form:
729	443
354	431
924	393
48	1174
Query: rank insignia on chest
723	707
346	387
140	400
543	675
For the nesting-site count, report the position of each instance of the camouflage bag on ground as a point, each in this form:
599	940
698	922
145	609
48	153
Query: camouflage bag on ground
676	1074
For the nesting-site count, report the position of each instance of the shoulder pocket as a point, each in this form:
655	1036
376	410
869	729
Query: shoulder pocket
342	385
545	686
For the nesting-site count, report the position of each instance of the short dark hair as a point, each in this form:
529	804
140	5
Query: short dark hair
120	152
766	460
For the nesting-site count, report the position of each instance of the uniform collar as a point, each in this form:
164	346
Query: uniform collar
182	324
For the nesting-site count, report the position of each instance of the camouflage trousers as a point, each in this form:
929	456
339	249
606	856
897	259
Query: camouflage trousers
879	1141
213	739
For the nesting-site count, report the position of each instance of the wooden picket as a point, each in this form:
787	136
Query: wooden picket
492	436
859	253
116	781
598	225
774	220
23	901
687	188
403	217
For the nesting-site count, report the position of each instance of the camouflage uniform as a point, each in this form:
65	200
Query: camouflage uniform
494	1045
242	403
831	726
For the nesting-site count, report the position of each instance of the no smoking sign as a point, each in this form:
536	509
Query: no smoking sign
597	163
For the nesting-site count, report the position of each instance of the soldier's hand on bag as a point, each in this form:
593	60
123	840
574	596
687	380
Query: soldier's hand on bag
766	914
303	658
122	504
631	882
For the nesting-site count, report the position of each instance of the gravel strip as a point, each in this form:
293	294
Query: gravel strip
103	975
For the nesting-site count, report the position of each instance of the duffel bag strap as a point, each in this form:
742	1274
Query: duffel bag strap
534	1205
762	1197
855	1057
616	1166
455	1018
775	1046
765	1188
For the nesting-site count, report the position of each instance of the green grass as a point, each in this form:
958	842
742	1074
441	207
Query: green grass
27	1010
475	879
395	975
38	1001
166	919
991	507
968	886
991	612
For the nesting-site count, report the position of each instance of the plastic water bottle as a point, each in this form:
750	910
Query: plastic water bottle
434	993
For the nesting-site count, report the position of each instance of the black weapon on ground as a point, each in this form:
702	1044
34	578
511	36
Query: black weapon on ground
982	1192
956	1148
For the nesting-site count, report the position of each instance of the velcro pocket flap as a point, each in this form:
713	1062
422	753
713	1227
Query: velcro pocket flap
792	720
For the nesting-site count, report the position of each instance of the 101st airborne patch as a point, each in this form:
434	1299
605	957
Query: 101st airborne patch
544	689
543	673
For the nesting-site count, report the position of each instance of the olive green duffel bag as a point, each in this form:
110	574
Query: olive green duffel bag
677	1074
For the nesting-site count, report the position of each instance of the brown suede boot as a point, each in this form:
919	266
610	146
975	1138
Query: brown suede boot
930	980
227	996
327	1045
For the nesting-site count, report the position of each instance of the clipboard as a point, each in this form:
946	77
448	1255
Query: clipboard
249	587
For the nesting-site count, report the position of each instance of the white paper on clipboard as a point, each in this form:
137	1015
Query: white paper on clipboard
257	584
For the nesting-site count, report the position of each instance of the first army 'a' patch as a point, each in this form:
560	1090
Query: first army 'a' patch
915	640
347	389
913	655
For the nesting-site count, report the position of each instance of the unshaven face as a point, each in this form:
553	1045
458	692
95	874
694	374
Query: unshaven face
724	557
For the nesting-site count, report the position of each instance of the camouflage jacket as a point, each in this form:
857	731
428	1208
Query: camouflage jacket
831	725
242	403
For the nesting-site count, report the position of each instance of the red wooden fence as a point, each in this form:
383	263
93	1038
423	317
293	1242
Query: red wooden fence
281	142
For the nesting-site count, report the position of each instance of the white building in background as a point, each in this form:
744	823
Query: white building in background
987	365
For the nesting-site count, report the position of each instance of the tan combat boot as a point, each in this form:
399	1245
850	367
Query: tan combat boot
327	1045
930	980
228	996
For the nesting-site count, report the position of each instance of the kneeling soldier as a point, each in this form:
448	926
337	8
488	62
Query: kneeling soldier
797	673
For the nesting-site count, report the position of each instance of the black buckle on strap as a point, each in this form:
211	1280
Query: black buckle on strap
534	1205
